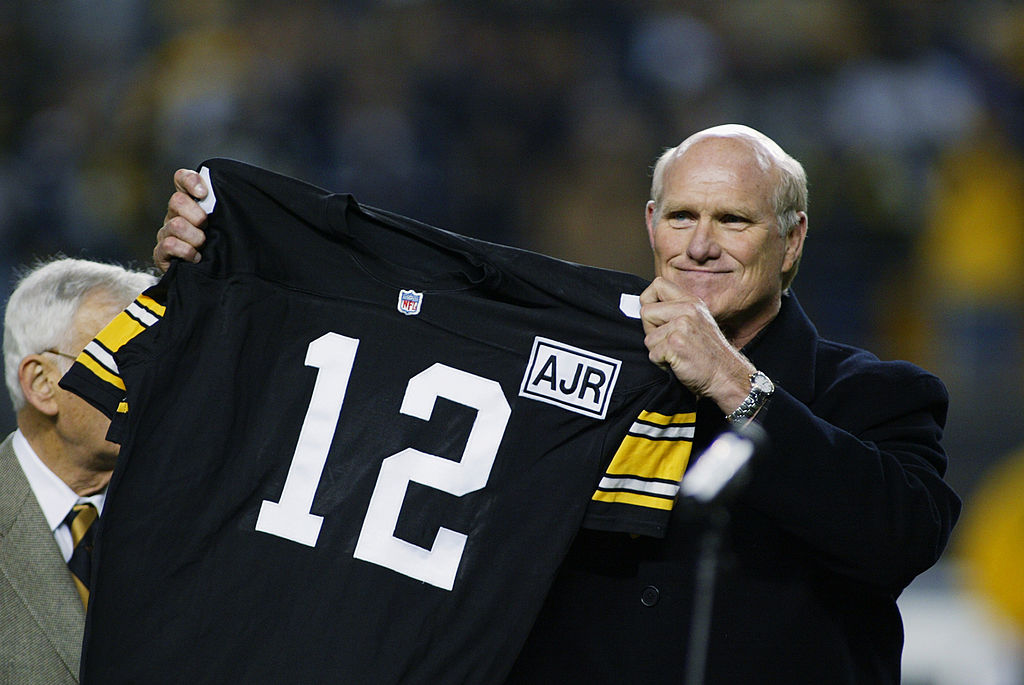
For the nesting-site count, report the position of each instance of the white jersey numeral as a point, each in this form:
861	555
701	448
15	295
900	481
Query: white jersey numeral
333	356
291	517
377	542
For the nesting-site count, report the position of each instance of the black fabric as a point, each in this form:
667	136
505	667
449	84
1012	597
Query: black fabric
188	590
840	514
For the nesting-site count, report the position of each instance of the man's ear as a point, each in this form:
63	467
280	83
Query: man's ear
38	379
795	244
650	220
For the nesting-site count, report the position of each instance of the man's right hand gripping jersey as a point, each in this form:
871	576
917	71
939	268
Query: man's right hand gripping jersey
355	448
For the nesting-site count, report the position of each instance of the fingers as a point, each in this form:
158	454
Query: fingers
664	290
663	312
681	334
663	301
659	290
186	207
170	248
190	182
181	236
184	215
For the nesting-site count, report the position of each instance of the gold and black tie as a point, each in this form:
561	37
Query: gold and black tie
79	521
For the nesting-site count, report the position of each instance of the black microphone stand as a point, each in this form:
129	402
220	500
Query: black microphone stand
704	589
708	489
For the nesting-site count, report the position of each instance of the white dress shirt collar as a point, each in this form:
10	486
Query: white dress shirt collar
55	497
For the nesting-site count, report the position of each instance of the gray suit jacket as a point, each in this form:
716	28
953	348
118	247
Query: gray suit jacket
41	615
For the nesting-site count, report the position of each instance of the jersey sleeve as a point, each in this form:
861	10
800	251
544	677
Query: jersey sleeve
638	490
94	376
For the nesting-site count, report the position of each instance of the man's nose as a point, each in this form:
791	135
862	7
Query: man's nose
704	242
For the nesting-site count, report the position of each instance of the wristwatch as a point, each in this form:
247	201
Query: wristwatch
761	389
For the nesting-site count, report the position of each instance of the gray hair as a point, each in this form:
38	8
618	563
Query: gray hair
41	310
790	194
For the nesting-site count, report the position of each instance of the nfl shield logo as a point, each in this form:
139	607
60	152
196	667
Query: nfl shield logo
409	302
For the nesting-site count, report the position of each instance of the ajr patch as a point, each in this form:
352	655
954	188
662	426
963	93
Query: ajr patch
570	377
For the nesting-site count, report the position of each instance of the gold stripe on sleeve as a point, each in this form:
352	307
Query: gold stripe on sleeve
100	371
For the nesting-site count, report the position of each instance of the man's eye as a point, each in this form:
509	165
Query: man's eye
677	218
735	221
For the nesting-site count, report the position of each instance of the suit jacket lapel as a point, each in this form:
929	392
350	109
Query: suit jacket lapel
786	351
32	563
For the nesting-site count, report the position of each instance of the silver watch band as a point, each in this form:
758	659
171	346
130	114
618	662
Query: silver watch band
761	389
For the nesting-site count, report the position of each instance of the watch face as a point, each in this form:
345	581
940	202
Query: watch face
762	382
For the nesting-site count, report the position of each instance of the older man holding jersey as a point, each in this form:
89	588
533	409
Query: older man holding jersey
843	510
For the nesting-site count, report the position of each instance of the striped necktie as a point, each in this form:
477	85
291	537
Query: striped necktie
79	521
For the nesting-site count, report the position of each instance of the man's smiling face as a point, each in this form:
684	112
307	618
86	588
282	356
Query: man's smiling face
715	232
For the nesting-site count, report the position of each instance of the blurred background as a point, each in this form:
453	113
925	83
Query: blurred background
535	123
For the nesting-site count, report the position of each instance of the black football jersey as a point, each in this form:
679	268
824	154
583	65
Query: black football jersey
355	448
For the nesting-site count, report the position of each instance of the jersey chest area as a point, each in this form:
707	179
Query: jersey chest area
427	427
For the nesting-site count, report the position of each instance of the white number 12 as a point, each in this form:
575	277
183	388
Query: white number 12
291	518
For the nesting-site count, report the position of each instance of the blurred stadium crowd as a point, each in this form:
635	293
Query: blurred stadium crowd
535	122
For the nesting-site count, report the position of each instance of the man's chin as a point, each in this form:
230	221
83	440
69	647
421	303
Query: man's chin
706	286
709	297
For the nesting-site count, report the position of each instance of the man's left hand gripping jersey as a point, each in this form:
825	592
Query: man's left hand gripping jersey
356	448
